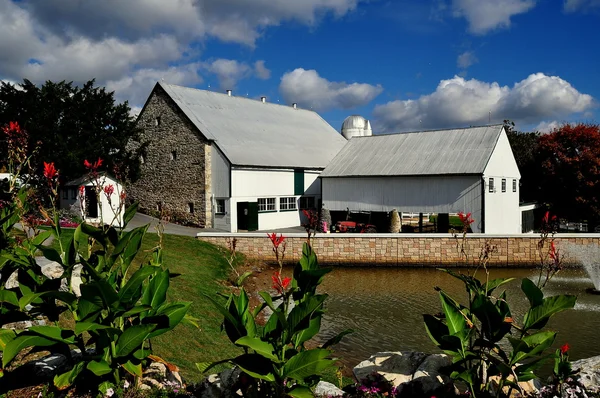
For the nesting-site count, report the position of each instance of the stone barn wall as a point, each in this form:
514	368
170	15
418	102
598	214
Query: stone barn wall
175	170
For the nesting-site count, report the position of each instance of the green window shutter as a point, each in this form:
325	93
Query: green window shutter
298	182
253	216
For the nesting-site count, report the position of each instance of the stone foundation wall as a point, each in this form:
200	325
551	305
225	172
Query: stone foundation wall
402	249
175	172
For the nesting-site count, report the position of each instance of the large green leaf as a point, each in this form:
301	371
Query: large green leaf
537	317
300	315
135	369
81	327
309	258
306	364
255	365
99	368
533	293
66	379
260	347
41	237
299	391
54	333
131	290
99	292
10	297
496	283
21	342
65	297
169	316
129	213
302	336
530	346
454	317
236	328
6	335
132	338
277	311
337	338
436	330
156	292
134	244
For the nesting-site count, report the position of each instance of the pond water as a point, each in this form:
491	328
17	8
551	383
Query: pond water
384	307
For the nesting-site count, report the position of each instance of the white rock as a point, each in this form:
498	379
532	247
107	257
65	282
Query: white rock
325	389
589	372
52	270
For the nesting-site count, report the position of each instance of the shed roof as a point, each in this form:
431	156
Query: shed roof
86	178
252	133
438	152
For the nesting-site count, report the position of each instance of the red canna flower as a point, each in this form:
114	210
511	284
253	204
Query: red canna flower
87	164
93	166
565	348
50	171
81	190
553	252
109	190
123	196
276	240
465	218
280	284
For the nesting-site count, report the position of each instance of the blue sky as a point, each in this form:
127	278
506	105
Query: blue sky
405	65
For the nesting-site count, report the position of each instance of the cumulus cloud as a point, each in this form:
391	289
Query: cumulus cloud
484	16
466	59
228	71
581	5
460	102
261	70
310	90
547	127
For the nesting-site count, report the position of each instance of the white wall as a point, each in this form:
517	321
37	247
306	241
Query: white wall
247	185
502	213
437	194
109	211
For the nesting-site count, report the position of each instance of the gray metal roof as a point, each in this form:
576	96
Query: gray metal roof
456	151
252	133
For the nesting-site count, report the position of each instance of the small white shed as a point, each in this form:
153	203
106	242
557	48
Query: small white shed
97	200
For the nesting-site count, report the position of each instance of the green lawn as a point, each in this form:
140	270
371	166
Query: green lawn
203	269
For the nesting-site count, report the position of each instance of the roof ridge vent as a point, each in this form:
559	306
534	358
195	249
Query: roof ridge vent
228	92
263	99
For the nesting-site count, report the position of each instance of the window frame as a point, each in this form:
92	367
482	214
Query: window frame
222	212
286	203
269	205
307	199
73	193
65	194
191	207
514	185
173	155
491	187
503	185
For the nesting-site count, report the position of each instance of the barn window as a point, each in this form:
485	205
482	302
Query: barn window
514	185
266	204
73	193
307	202
491	185
288	203
504	185
157	121
65	194
191	208
173	155
142	160
220	206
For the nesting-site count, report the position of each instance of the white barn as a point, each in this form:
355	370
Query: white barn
444	171
98	208
228	162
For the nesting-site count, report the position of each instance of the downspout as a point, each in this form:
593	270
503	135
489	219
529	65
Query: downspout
483	204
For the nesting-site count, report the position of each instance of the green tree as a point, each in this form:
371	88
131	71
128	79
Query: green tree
525	149
71	123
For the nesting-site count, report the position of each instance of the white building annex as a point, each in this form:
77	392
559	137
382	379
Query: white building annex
102	207
444	171
237	163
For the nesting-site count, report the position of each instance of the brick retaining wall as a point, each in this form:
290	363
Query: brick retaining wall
417	250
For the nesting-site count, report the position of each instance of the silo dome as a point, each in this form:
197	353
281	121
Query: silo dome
356	126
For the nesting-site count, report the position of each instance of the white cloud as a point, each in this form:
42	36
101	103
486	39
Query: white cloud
460	102
485	16
547	127
136	86
261	70
580	5
310	90
228	71
466	59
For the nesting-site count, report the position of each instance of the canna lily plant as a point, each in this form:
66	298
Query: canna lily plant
275	355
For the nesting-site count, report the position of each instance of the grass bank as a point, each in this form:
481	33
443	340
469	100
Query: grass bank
203	271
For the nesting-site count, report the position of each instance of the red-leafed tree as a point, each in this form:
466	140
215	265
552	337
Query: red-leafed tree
570	160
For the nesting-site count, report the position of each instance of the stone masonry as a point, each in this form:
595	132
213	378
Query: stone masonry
175	166
399	250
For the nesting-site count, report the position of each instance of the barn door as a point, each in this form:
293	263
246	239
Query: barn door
252	216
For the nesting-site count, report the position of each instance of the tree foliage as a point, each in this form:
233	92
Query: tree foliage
525	148
70	124
570	180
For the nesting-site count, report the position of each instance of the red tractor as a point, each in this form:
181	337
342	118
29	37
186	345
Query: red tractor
354	226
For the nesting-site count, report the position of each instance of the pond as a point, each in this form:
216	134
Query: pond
384	307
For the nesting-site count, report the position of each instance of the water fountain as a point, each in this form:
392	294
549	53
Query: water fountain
589	257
